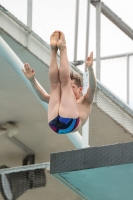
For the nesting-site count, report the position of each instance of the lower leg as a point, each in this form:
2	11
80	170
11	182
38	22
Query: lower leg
64	69
53	68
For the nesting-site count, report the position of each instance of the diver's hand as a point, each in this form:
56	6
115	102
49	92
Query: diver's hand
89	61
29	72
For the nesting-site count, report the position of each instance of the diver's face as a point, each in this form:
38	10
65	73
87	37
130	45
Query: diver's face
76	90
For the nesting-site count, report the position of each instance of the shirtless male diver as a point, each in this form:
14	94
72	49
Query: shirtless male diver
68	109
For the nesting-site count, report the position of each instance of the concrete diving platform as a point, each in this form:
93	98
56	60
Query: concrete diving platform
96	173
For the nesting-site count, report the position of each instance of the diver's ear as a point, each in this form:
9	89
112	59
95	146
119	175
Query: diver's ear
81	89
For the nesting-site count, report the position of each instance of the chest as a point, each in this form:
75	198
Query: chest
83	106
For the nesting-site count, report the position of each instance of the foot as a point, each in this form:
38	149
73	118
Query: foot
61	44
54	39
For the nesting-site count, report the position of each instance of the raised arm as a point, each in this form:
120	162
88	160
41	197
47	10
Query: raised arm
92	80
30	74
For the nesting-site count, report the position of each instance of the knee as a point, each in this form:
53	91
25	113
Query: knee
55	84
64	73
65	82
64	77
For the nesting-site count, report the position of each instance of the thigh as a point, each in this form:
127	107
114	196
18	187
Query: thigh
68	105
54	102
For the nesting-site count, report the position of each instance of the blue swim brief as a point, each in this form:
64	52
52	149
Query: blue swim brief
63	125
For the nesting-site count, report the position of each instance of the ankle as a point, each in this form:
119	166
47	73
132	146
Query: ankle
54	51
63	50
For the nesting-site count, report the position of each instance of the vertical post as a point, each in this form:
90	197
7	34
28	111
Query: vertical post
128	92
87	30
98	38
85	127
29	13
76	30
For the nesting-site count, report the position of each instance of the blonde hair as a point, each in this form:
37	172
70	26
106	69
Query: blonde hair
77	79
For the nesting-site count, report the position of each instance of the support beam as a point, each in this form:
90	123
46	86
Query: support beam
85	127
25	168
21	145
29	13
98	39
80	62
114	56
115	19
17	65
10	130
128	79
76	30
87	31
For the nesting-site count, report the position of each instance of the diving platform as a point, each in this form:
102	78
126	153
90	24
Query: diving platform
96	173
